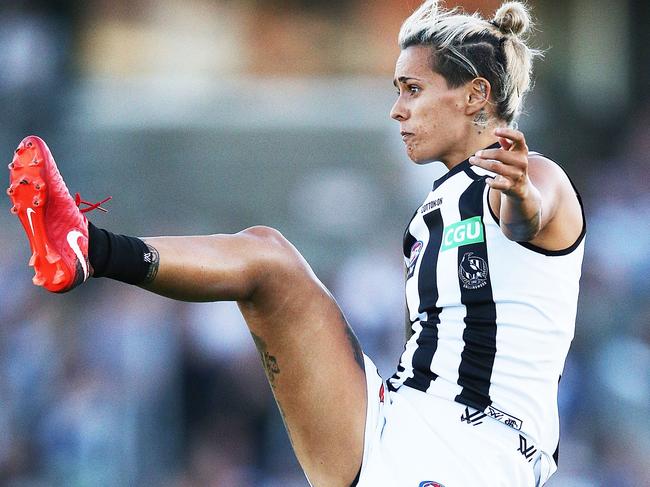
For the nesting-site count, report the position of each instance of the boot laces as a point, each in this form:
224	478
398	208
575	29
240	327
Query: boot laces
91	206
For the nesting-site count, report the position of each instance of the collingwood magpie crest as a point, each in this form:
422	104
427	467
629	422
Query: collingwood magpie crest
473	271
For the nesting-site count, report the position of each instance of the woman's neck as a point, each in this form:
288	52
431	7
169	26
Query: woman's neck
469	146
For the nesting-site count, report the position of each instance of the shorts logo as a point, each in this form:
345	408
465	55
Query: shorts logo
430	483
472	418
505	418
416	249
473	271
526	450
463	233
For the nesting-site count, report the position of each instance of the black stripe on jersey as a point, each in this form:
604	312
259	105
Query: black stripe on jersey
395	377
428	290
427	278
427	346
477	358
409	241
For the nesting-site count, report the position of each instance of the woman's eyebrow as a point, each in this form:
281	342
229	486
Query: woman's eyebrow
404	79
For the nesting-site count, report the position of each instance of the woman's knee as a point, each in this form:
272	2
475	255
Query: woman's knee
266	236
274	257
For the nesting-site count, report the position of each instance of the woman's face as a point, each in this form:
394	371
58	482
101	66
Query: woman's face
431	115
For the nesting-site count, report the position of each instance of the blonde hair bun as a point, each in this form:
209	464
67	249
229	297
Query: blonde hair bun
512	18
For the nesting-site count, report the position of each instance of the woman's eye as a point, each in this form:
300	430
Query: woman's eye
412	89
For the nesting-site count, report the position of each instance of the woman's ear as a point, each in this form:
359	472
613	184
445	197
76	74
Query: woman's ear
478	95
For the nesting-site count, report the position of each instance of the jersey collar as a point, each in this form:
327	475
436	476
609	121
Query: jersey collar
459	168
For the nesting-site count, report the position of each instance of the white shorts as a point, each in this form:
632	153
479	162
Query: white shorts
414	439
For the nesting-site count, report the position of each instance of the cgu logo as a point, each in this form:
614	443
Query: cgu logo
463	233
430	483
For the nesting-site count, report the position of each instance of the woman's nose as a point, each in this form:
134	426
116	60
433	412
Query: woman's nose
398	112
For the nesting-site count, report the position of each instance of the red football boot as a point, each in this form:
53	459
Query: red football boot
55	225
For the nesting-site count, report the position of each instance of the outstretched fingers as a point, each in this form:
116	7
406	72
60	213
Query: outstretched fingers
509	163
511	139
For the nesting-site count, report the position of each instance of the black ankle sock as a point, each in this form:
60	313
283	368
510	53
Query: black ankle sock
126	259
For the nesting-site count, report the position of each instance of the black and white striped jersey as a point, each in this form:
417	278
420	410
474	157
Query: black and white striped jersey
492	319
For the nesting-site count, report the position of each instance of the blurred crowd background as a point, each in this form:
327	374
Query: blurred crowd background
206	116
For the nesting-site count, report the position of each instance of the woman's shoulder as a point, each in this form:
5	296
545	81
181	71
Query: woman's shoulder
544	167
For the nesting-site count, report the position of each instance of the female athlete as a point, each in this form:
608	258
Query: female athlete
492	256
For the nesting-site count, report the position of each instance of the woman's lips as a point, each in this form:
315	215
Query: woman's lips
406	135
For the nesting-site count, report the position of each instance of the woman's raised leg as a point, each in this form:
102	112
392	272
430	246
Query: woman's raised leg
311	357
